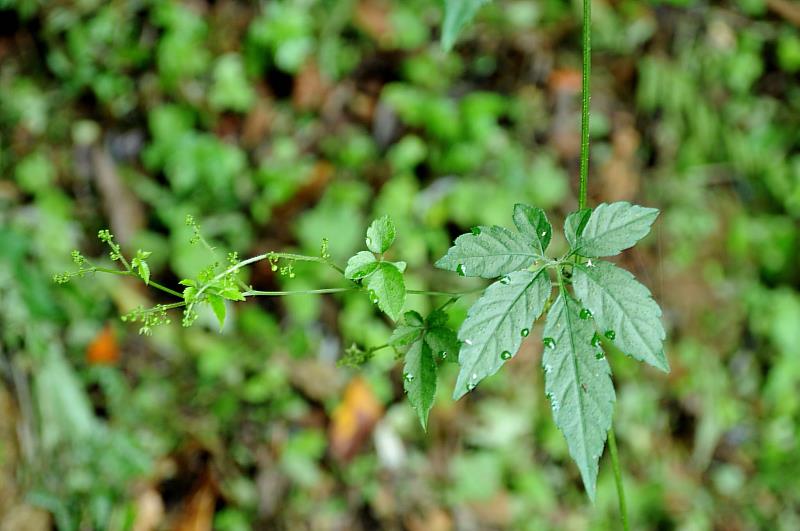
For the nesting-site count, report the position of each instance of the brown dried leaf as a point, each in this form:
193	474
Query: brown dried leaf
353	419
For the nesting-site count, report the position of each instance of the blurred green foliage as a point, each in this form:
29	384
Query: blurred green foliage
277	125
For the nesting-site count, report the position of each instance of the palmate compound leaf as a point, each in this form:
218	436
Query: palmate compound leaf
578	383
623	309
491	252
609	229
496	325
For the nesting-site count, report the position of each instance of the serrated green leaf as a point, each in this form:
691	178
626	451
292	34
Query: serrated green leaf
578	383
360	265
419	379
612	228
144	272
620	304
532	222
413	318
387	287
492	252
232	294
217	304
380	235
404	335
457	14
495	325
442	341
574	225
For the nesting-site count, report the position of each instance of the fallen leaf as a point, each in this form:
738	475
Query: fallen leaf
353	419
198	512
103	350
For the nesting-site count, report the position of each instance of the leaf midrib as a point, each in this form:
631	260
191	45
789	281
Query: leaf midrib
574	360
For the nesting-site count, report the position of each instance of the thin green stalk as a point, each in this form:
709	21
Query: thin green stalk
296	292
623	509
586	96
132	274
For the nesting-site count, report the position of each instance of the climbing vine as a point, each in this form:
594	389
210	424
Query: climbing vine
592	306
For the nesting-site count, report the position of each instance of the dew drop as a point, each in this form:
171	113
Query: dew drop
475	230
505	355
471	386
547	369
585	314
549	342
274	267
468	341
443	354
544	233
505	280
610	334
524	332
408	377
461	270
369	241
554	405
599	355
589	263
596	340
549	396
373	297
474	376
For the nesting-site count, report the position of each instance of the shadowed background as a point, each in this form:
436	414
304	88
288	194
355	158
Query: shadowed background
280	123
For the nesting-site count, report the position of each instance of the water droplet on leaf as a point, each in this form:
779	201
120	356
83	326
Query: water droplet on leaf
505	280
274	267
599	355
408	377
524	332
475	230
474	376
595	340
549	342
468	341
585	314
610	334
460	270
470	386
443	354
505	355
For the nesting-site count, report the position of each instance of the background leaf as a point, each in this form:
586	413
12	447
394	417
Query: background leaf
492	252
578	383
457	14
612	228
496	325
624	309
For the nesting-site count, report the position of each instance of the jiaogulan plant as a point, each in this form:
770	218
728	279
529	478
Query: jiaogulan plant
593	307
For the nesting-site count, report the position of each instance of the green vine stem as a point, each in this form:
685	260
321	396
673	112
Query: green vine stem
586	97
612	447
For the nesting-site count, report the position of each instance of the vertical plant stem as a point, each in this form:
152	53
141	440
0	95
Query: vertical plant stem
586	96
623	509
